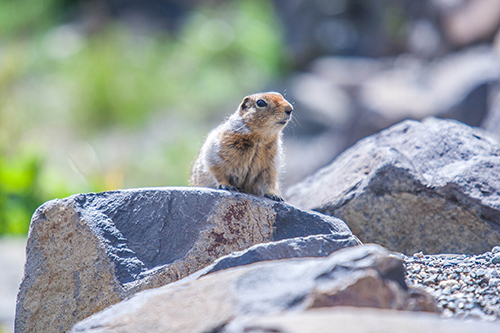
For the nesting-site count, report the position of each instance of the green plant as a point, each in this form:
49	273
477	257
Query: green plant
19	192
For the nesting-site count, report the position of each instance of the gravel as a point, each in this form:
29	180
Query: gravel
465	286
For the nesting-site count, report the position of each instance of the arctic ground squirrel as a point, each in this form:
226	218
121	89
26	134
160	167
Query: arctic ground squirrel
244	153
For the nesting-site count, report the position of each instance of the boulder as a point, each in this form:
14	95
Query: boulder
366	276
431	186
89	251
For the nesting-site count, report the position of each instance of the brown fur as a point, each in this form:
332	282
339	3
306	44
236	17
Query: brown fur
244	153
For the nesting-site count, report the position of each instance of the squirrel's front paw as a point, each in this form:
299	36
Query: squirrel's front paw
274	197
229	188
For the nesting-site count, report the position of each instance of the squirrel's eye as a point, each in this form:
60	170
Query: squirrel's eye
261	103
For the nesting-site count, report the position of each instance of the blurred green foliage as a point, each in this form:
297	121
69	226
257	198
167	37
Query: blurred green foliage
24	17
120	107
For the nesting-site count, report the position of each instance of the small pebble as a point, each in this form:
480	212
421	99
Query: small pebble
447	313
480	272
421	254
496	258
495	249
446	283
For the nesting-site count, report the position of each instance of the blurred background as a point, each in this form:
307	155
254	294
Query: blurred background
100	95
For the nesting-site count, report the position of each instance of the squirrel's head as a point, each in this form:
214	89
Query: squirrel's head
267	112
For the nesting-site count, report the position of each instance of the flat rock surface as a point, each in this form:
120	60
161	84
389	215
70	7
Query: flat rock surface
431	186
356	320
465	286
89	251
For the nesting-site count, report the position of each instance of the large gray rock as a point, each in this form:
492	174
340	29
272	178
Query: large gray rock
432	186
89	251
366	276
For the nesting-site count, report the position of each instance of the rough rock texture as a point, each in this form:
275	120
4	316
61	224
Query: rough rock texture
361	276
355	320
431	186
89	251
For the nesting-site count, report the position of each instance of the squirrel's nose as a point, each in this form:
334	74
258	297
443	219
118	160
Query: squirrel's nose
288	111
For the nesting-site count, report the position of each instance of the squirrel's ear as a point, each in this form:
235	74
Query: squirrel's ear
245	104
